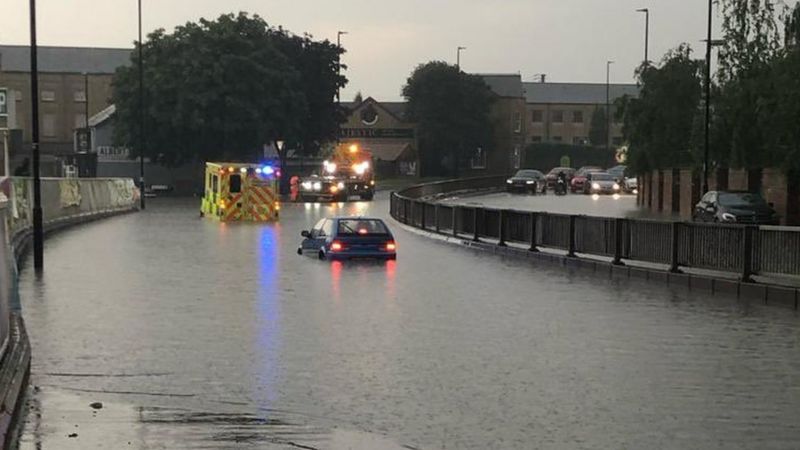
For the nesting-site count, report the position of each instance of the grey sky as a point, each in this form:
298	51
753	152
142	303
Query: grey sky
569	40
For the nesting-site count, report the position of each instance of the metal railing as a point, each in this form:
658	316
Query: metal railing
746	250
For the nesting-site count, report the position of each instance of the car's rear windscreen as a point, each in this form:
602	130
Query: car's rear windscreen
361	227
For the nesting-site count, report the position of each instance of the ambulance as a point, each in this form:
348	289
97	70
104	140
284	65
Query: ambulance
241	192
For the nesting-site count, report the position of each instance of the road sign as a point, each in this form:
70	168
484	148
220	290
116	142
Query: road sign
3	102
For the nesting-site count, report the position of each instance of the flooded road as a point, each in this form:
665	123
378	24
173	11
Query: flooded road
195	334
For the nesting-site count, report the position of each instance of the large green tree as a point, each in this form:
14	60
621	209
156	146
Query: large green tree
598	128
659	124
452	112
222	89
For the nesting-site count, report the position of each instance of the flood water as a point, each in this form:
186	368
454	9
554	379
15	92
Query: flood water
195	334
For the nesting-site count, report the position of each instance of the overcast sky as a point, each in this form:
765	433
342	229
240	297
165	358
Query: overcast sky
569	40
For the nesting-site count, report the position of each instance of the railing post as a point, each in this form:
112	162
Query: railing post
422	215
437	227
675	248
476	236
747	261
572	221
534	219
455	220
502	231
618	239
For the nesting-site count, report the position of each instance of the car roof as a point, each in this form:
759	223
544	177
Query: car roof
356	218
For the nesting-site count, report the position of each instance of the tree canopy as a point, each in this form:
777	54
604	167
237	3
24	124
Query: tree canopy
222	89
452	112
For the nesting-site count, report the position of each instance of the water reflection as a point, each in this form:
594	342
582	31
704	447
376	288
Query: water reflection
268	313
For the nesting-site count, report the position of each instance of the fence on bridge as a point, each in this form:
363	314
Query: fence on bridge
746	250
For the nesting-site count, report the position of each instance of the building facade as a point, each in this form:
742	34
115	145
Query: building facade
382	128
507	115
562	112
65	103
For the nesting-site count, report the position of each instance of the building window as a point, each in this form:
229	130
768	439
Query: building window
48	96
558	116
516	122
536	139
49	125
537	116
557	139
478	160
516	157
79	96
577	116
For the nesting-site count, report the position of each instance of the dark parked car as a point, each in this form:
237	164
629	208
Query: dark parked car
735	207
527	180
552	176
347	238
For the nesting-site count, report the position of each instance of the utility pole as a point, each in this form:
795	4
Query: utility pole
707	143
141	113
458	57
38	230
608	105
86	111
646	33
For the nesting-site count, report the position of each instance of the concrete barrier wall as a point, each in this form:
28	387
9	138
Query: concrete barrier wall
68	199
8	274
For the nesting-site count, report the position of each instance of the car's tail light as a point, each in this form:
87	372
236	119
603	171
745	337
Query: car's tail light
391	246
336	246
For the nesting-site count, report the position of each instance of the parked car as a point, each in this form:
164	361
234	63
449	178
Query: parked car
631	185
600	183
735	207
527	180
579	180
552	176
347	238
618	172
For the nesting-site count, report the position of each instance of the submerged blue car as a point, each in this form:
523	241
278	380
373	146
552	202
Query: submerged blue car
349	237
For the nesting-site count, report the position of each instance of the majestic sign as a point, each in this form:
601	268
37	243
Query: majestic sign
406	133
3	102
111	153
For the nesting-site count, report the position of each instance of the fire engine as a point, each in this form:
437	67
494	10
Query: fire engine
241	192
348	172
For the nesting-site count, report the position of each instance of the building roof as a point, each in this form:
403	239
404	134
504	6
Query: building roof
16	58
576	93
102	116
504	84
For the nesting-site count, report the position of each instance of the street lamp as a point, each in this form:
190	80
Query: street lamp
86	111
707	120
458	57
38	231
339	35
646	33
608	104
141	113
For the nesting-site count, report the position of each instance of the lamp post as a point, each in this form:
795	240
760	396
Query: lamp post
646	33
339	35
141	113
86	111
38	231
458	57
6	153
608	104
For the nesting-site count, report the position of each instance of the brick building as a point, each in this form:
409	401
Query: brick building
63	75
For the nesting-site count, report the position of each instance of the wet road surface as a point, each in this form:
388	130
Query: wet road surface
199	335
591	205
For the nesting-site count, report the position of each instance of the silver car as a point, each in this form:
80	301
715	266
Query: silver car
601	183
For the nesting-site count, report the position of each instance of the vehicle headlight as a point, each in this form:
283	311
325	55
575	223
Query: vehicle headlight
530	182
728	217
509	182
340	185
307	185
317	186
616	186
595	185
